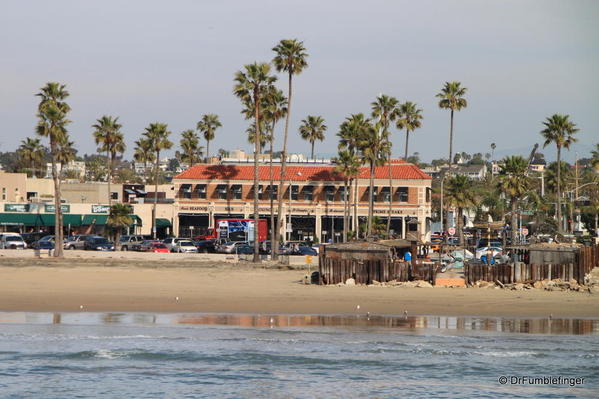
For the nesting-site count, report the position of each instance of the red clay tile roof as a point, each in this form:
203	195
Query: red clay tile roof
297	173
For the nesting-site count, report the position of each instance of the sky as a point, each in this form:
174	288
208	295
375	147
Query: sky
156	61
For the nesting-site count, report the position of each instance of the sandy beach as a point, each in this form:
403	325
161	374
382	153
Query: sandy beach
125	282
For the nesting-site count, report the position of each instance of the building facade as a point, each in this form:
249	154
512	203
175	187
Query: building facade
313	199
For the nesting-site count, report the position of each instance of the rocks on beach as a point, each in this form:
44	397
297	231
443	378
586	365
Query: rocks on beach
546	285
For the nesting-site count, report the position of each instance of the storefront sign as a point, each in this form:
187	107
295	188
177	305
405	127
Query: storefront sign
16	207
100	208
194	208
49	208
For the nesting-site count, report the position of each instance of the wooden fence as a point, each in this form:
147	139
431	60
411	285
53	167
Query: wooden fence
585	260
335	270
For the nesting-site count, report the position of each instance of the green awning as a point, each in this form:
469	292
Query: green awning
163	222
101	220
94	219
35	219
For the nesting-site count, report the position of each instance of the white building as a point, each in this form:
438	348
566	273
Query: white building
77	166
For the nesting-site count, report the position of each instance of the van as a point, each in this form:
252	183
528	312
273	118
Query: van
12	241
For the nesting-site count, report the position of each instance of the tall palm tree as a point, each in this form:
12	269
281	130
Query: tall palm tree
252	85
290	57
514	183
110	140
274	109
143	154
350	132
410	119
452	98
191	150
312	129
493	146
157	136
559	129
119	218
52	122
348	164
385	110
374	146
208	126
31	152
460	193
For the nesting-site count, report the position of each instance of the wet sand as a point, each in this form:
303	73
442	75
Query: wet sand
125	285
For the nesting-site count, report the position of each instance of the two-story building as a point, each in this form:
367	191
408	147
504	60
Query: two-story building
313	198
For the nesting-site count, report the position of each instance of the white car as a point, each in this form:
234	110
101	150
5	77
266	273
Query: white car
12	241
184	246
229	247
484	250
171	242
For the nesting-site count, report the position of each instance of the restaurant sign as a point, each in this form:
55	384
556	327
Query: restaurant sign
100	208
16	207
49	208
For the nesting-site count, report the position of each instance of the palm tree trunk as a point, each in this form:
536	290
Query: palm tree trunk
256	165
390	197
405	157
370	201
273	229
312	154
461	225
356	200
283	163
450	144
207	149
345	206
57	204
110	158
155	195
514	220
559	191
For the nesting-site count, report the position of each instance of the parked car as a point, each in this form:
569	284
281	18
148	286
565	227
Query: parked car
244	249
98	243
206	246
46	242
483	251
126	243
158	247
230	246
305	250
145	245
30	238
171	241
182	246
76	241
12	241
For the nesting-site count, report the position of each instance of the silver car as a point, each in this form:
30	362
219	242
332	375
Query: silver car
76	241
184	246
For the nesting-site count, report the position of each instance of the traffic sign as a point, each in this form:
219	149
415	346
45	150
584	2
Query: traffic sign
451	231
524	231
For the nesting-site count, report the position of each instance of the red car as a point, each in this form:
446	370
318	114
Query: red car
158	247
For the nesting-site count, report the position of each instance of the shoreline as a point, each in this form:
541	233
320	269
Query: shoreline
124	285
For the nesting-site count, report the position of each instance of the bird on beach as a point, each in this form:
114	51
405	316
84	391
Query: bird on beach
405	314
358	307
176	298
80	306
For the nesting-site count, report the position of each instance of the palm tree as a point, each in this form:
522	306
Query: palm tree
274	109
385	110
348	164
265	136
312	129
374	146
460	194
157	136
110	140
143	154
559	129
253	85
410	119
452	98
191	151
350	132
291	58
31	152
514	183
119	218
208	126
52	122
493	146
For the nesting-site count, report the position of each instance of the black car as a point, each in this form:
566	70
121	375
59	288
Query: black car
244	249
98	243
206	246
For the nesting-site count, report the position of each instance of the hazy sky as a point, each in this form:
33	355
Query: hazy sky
172	61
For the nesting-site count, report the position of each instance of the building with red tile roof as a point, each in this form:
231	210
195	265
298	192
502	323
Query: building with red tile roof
313	198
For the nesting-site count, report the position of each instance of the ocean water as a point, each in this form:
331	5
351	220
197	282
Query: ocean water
115	355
